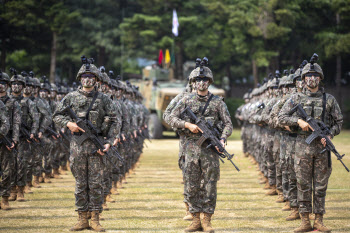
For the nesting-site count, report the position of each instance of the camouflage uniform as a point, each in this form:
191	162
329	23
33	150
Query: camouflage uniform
199	161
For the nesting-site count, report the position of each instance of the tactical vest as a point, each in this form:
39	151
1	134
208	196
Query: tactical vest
9	103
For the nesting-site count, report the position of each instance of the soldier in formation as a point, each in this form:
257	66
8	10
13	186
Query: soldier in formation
201	168
42	139
274	139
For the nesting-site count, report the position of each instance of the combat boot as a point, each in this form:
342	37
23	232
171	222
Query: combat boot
41	179
114	189
286	206
263	180
294	215
188	215
20	194
5	203
318	224
120	184
36	183
82	223
47	178
95	222
104	205
206	223
110	199
28	189
305	225
267	185
63	170
280	198
56	174
196	223
273	190
13	194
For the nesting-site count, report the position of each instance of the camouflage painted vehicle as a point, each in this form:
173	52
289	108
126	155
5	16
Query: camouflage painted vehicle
158	88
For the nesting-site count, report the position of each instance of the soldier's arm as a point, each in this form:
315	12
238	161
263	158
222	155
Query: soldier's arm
284	118
16	121
336	117
226	120
46	116
113	112
5	123
171	106
35	117
125	124
174	119
61	119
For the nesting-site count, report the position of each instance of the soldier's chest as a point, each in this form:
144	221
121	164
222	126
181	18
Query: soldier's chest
313	106
81	104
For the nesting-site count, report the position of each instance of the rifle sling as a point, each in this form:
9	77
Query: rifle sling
324	107
92	103
207	103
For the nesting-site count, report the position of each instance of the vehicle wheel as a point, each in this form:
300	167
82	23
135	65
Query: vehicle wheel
155	127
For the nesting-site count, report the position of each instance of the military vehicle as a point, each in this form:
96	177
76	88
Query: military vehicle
158	88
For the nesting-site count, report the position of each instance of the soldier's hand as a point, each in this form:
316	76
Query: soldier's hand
12	146
304	125
40	134
123	136
192	127
287	128
107	146
135	134
223	145
324	142
74	128
116	141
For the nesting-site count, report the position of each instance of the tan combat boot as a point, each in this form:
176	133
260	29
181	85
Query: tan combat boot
267	185
13	194
206	223
28	189
20	194
273	191
305	225
318	224
56	174
36	183
188	215
83	222
41	179
104	205
286	206
114	189
294	215
47	178
95	222
263	180
5	203
63	170
120	184
280	198
196	223
110	199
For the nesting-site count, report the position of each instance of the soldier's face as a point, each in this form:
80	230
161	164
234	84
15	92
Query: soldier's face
28	90
3	86
44	94
202	84
17	87
104	88
88	80
59	97
299	84
53	94
312	80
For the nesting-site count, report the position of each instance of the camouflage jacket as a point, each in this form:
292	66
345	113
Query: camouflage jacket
30	115
45	114
313	106
13	113
4	121
133	115
216	112
124	115
103	115
173	104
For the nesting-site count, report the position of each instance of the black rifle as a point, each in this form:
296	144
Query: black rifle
211	134
52	132
261	106
92	134
24	130
320	130
8	142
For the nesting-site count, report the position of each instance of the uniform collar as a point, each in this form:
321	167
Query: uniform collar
315	94
87	94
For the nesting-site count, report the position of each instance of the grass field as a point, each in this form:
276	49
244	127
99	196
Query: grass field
152	200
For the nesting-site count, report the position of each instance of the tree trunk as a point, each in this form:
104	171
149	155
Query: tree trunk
255	73
3	55
179	60
53	57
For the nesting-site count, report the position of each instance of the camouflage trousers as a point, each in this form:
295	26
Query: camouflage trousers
268	156
63	155
87	169
276	158
312	172
55	153
7	163
20	171
292	179
284	163
201	173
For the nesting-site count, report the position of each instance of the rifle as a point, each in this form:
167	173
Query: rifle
320	130
8	142
52	132
211	134
92	134
261	106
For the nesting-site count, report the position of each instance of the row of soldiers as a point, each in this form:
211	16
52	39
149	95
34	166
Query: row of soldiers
35	149
274	139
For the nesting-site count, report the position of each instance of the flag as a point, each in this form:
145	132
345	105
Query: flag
175	24
160	57
167	56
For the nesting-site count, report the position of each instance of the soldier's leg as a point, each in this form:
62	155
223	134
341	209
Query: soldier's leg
37	167
7	166
29	168
293	191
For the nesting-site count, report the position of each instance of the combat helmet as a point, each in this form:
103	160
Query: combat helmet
104	77
88	67
4	77
290	80
45	85
17	77
202	70
312	67
54	87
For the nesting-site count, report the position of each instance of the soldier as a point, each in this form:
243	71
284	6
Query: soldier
30	123
201	163
10	120
311	166
87	167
